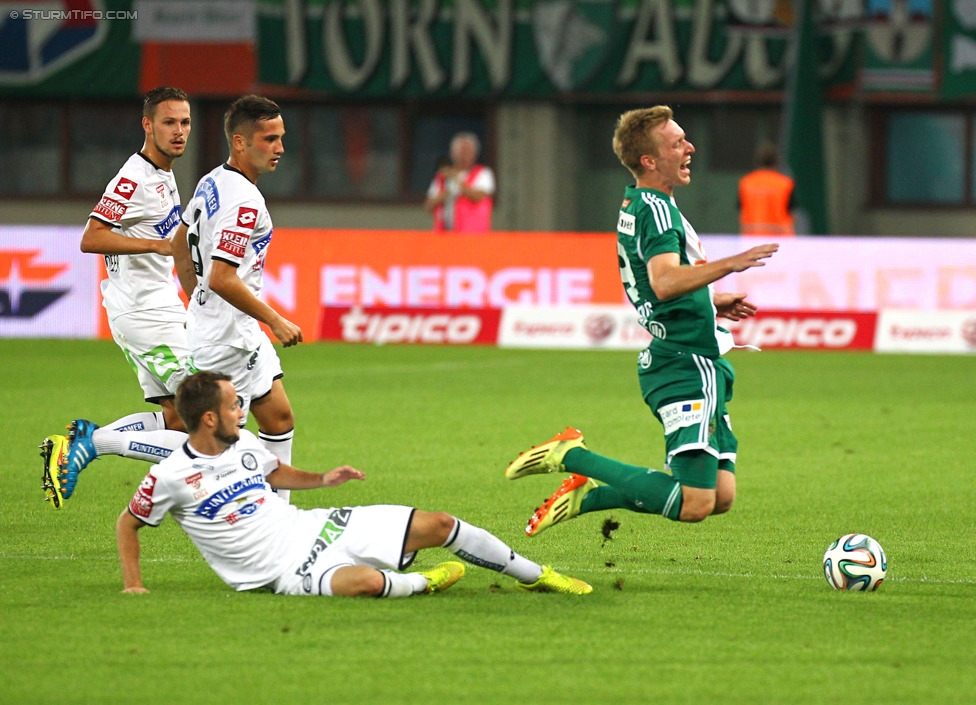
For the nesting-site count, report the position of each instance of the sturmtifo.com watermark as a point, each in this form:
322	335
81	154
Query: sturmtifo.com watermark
74	15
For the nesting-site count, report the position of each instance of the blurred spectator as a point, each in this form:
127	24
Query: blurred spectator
766	197
461	195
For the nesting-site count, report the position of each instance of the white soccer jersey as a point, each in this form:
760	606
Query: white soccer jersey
140	202
246	532
228	221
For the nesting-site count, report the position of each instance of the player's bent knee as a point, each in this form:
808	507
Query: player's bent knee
357	581
697	504
171	419
279	421
429	530
723	505
445	524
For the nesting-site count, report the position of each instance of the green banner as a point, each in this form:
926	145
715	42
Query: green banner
802	137
959	50
497	49
523	49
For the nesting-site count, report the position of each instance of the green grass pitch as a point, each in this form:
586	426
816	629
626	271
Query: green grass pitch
732	610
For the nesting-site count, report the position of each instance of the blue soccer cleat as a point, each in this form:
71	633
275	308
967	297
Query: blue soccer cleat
81	451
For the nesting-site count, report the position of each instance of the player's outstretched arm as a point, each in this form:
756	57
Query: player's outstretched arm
670	279
285	477
185	270
127	537
100	239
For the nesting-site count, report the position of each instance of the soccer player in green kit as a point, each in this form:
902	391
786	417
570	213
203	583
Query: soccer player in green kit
683	378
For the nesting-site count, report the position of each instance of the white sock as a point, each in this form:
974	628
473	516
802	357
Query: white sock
151	446
402	584
143	421
280	447
481	548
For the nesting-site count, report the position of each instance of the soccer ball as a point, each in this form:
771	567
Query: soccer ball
855	562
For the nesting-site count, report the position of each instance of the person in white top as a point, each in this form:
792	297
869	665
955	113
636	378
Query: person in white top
220	249
132	227
218	488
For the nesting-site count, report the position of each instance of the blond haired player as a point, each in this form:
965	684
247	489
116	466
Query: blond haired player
684	378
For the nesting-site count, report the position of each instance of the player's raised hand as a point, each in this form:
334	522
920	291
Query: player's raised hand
753	257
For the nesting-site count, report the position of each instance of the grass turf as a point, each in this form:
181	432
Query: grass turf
734	609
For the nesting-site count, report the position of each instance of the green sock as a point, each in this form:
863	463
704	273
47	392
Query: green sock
627	486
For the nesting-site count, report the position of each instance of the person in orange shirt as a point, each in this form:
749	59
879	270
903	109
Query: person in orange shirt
766	197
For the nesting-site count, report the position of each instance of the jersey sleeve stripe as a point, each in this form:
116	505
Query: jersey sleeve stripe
660	211
103	221
232	263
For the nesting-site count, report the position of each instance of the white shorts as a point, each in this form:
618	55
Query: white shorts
252	372
156	348
372	536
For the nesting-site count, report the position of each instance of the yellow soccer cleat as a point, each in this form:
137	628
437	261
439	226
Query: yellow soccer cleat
53	452
551	581
563	505
443	575
547	457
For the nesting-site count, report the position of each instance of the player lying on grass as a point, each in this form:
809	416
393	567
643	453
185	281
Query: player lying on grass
219	487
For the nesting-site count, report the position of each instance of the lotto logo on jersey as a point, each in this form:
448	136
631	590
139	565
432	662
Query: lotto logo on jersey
142	502
247	217
232	243
126	188
110	209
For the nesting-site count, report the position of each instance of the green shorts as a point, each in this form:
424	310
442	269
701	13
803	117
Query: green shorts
688	394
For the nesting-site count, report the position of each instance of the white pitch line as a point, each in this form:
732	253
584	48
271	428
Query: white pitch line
754	576
100	559
567	569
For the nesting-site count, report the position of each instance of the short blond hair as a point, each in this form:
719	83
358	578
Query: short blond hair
633	139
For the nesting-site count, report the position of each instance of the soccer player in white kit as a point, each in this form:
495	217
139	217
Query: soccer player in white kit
218	488
132	226
220	250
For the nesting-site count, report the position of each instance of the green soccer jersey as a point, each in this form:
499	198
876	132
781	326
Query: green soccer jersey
650	224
